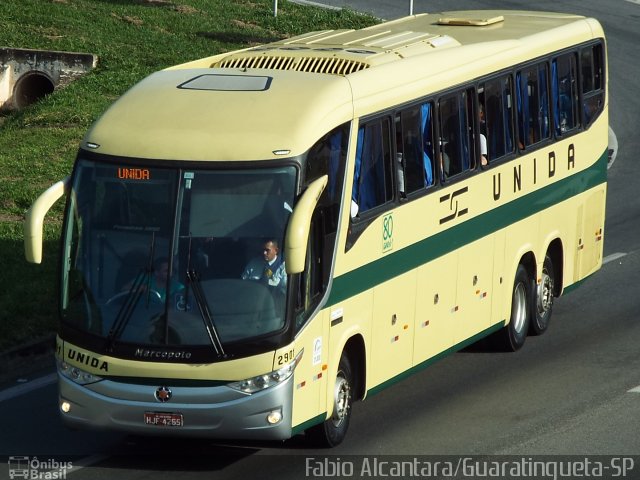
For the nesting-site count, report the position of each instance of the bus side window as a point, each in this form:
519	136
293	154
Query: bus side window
310	282
498	117
564	93
328	156
456	143
592	72
415	148
533	105
373	178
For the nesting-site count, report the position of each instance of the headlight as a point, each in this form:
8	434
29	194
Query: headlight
77	375
262	382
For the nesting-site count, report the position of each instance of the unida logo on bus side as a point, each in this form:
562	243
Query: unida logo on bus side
529	173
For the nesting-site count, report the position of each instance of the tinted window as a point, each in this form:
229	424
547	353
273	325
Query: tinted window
592	72
455	134
533	105
372	182
564	93
415	158
496	119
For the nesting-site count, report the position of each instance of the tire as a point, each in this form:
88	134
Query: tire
542	301
514	334
333	431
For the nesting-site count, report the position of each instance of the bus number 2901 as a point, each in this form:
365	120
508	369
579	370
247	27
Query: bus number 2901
286	357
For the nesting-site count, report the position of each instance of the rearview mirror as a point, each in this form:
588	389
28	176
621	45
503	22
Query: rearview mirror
299	224
34	220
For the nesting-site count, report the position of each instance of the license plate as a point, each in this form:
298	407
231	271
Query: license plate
162	419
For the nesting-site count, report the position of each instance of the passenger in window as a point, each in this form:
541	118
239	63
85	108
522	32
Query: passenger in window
444	162
483	137
354	209
483	150
268	269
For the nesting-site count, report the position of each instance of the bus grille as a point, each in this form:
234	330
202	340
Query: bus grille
331	65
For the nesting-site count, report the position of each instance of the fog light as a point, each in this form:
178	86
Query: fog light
65	407
274	417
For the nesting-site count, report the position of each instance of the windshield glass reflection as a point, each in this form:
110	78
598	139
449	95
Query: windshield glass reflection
176	257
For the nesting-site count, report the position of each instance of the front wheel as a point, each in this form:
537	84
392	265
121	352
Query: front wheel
542	303
333	431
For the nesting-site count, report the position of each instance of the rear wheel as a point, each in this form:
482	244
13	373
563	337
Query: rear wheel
543	295
332	431
514	334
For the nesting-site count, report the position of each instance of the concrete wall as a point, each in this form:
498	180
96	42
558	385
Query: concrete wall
28	75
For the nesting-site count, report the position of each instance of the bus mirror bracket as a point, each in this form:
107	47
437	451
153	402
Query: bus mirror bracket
299	225
34	220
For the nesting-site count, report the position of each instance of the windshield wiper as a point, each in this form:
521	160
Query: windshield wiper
133	297
205	312
127	308
203	306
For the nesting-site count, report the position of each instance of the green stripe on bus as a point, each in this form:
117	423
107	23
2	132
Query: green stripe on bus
407	373
308	424
434	359
411	257
576	285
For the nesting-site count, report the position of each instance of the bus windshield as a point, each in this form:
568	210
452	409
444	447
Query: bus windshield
179	257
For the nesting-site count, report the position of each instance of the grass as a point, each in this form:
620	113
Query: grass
132	39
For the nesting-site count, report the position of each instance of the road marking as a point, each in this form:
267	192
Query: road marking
635	390
25	388
613	256
85	462
42	382
637	2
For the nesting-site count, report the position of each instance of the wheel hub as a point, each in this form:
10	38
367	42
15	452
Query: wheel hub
545	294
519	307
341	400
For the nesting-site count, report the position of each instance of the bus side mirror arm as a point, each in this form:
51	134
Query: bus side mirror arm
297	235
34	219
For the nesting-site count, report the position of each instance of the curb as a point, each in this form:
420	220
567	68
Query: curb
310	3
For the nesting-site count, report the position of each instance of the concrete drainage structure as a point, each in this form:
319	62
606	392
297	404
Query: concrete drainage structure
28	75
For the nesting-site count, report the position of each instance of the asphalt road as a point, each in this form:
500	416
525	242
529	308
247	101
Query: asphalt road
573	391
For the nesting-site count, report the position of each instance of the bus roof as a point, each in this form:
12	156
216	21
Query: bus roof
202	114
250	104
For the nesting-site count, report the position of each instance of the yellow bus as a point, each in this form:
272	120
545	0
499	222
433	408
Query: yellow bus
256	240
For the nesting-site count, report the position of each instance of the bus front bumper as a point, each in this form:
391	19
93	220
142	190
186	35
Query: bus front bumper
217	412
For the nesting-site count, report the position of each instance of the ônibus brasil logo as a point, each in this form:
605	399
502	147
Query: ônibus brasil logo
38	469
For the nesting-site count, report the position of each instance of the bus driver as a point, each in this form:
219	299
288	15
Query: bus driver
269	268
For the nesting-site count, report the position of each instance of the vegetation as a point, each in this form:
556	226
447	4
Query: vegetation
132	39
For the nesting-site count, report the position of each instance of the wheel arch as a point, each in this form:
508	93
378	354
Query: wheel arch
355	350
528	261
555	251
